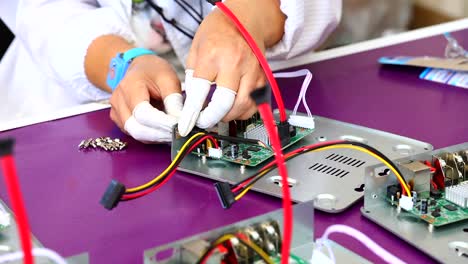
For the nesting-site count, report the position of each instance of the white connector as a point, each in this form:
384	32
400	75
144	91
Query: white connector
216	153
302	121
406	203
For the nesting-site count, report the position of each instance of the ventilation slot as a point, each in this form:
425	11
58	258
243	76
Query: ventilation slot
322	168
345	160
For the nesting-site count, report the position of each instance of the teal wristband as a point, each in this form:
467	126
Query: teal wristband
119	65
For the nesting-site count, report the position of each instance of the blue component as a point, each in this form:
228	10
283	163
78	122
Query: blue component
119	65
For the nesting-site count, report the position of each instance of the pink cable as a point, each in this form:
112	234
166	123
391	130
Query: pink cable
361	237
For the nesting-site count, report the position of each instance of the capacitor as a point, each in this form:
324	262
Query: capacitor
423	206
414	194
234	151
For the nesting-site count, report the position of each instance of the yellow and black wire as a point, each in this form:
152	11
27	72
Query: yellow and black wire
187	147
117	192
241	188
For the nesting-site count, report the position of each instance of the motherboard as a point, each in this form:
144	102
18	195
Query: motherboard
439	188
246	142
434	215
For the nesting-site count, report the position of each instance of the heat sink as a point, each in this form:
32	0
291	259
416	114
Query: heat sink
458	194
258	133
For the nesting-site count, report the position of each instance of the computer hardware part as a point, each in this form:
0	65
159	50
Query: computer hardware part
437	224
340	172
262	230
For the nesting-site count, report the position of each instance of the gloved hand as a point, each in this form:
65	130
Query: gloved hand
149	78
220	54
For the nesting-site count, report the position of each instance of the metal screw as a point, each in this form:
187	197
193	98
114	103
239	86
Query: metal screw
105	143
242	169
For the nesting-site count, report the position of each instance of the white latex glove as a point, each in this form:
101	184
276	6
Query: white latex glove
148	124
197	90
149	78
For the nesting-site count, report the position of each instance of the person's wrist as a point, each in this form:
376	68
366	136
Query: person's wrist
264	19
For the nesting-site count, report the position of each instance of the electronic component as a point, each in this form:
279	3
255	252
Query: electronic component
259	152
450	207
216	153
284	131
225	244
444	212
257	132
234	151
423	209
302	121
435	214
225	194
253	148
458	194
393	193
406	203
245	154
113	194
420	175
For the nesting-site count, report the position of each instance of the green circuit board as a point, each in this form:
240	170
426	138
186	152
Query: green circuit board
440	205
258	154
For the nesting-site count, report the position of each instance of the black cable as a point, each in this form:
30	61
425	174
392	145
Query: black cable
171	22
201	7
190	10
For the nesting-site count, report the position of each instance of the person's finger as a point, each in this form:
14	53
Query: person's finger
136	93
119	109
221	103
188	78
173	104
196	90
144	133
243	104
145	114
251	110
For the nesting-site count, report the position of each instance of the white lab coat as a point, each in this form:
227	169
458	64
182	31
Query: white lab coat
43	70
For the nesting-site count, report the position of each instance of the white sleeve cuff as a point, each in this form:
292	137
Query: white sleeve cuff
62	48
308	24
80	33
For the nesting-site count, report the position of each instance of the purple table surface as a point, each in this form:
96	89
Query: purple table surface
62	186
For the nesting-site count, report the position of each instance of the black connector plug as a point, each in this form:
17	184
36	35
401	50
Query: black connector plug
284	130
213	2
226	197
6	147
113	194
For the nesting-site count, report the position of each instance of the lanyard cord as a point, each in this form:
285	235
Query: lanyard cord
181	28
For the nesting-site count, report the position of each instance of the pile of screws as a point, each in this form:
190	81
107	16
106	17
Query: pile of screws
105	143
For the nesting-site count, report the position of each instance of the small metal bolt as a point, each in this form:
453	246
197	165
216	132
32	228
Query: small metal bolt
242	169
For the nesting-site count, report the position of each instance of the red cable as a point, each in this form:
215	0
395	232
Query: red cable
154	188
434	185
268	120
14	192
259	54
